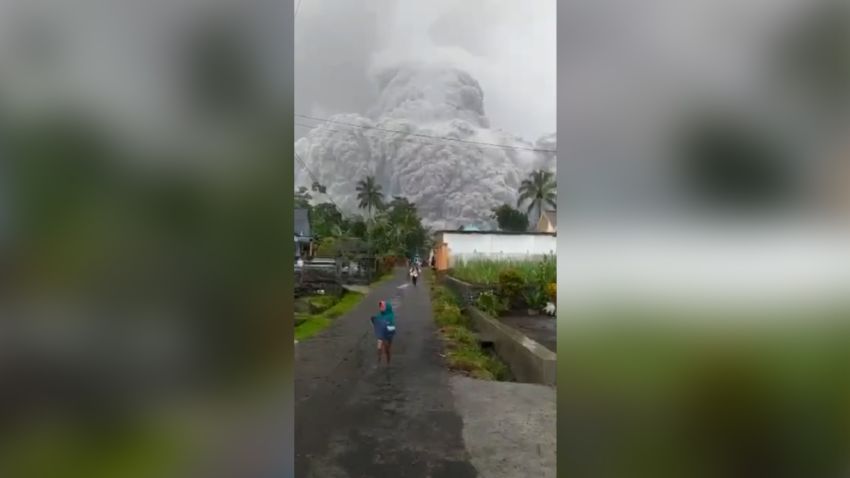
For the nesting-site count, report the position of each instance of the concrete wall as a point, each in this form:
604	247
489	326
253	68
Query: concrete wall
529	361
465	246
467	293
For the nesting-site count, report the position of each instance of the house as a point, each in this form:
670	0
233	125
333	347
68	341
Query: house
303	234
548	222
453	245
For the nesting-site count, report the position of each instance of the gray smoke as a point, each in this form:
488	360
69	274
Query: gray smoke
453	183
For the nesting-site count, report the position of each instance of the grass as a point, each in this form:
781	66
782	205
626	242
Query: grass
321	303
463	353
315	323
486	271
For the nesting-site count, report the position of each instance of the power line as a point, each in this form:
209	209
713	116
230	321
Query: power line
442	138
406	140
315	179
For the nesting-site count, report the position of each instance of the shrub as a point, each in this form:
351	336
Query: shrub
445	307
447	313
511	288
535	297
327	247
491	303
552	292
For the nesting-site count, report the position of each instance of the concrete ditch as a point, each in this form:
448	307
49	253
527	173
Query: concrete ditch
529	361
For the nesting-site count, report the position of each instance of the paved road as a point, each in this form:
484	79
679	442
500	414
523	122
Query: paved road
355	419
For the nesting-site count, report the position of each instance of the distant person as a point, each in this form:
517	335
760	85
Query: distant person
414	274
384	325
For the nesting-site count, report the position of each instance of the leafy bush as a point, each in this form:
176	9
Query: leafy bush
327	247
535	297
552	292
491	303
512	288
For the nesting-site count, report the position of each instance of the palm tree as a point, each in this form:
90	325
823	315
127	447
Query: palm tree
369	194
539	190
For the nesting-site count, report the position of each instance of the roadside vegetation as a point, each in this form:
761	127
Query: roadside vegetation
324	309
511	285
463	352
389	230
487	271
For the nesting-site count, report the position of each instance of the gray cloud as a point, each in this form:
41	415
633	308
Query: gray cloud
477	70
509	47
452	182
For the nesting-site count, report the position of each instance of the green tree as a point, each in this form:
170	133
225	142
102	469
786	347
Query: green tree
400	208
539	190
397	228
326	220
356	226
411	234
369	194
510	219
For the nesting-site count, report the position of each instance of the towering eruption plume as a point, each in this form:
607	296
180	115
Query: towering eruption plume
452	182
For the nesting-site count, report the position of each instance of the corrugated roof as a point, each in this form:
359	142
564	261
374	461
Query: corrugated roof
495	233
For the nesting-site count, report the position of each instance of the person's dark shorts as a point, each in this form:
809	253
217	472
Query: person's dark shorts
387	334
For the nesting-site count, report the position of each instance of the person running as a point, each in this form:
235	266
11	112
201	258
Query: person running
384	325
414	274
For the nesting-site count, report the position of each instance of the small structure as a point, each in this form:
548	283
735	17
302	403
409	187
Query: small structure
303	235
548	222
451	246
469	228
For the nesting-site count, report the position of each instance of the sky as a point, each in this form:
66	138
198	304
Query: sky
509	47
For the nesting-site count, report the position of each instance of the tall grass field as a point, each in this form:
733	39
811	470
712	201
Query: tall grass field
486	271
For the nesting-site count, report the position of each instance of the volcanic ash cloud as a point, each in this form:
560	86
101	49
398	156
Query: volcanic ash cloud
452	182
